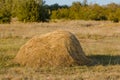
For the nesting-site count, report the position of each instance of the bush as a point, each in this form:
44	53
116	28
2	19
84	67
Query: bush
5	13
77	11
31	11
116	20
113	17
5	16
60	14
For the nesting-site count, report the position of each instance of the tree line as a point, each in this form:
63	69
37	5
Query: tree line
78	11
37	11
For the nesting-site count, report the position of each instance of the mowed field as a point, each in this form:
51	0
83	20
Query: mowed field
100	41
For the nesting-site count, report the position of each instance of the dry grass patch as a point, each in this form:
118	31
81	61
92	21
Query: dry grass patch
100	41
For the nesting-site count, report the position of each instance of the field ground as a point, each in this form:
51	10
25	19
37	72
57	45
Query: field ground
100	41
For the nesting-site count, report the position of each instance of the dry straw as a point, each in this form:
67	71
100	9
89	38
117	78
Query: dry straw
58	48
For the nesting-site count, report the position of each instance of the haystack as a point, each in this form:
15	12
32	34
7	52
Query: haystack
58	48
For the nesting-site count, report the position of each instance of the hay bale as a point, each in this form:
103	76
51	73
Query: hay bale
58	48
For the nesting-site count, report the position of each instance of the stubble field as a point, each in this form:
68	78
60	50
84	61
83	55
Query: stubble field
99	40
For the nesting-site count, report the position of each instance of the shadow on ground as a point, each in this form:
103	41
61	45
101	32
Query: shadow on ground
106	59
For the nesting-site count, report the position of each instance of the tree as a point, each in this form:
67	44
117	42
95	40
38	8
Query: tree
97	12
32	11
113	10
84	3
5	11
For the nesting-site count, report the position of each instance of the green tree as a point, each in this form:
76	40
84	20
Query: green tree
32	11
75	10
113	10
83	11
5	11
97	12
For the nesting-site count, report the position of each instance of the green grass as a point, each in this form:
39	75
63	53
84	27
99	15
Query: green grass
8	49
11	44
5	61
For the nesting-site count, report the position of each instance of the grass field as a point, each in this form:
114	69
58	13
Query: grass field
100	41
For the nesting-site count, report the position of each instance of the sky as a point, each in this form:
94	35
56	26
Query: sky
69	2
